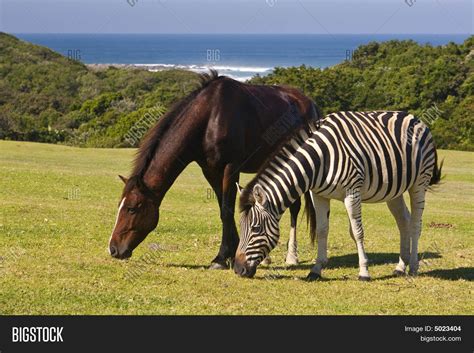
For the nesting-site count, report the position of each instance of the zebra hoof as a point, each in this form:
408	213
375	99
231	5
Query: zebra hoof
364	279
398	273
291	260
313	277
218	266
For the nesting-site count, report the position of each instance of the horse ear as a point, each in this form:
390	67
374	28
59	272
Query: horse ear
259	195
123	179
239	188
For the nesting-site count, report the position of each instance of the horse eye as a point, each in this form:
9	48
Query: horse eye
132	210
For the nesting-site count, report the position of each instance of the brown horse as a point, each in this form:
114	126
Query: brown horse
227	127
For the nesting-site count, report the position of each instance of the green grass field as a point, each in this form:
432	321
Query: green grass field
58	206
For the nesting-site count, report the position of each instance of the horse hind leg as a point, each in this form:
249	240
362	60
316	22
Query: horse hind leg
401	214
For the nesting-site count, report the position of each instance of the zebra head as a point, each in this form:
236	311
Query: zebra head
259	231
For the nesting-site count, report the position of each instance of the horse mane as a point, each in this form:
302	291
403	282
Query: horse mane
151	141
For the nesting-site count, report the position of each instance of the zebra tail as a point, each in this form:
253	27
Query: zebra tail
436	175
310	215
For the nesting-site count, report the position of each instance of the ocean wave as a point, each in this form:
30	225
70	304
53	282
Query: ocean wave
239	78
240	73
243	68
256	69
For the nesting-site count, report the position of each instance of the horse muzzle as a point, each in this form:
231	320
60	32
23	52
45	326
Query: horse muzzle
116	253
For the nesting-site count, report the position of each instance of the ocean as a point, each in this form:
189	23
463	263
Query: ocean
240	56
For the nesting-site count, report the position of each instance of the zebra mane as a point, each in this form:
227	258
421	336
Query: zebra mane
246	199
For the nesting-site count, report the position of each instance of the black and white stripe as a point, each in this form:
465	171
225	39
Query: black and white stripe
354	157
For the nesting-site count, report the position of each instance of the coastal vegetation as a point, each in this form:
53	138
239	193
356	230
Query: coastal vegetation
46	97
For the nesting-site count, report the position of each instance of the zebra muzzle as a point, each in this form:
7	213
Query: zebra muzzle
242	268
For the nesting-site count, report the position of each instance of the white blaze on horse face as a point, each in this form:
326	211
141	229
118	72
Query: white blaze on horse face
116	220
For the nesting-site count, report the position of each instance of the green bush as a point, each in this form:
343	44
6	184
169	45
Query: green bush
397	75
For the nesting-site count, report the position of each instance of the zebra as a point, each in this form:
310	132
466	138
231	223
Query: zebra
353	157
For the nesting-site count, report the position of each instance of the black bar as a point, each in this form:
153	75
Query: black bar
207	333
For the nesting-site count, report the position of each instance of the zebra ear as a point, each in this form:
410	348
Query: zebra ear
259	195
239	188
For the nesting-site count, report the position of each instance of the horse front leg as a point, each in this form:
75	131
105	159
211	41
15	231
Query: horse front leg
230	238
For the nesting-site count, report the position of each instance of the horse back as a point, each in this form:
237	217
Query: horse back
246	123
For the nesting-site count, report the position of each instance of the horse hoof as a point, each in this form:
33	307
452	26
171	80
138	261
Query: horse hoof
398	273
364	278
313	277
218	266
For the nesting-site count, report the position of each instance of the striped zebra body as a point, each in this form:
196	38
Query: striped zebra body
354	157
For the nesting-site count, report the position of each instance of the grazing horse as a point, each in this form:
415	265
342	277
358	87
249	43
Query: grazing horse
353	157
227	127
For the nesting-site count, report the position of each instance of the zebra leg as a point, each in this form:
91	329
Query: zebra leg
400	212
417	202
321	206
266	261
292	255
352	201
351	232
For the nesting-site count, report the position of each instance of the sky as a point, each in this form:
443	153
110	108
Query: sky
237	16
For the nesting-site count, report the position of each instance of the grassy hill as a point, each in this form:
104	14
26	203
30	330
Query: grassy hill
37	87
46	97
58	206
